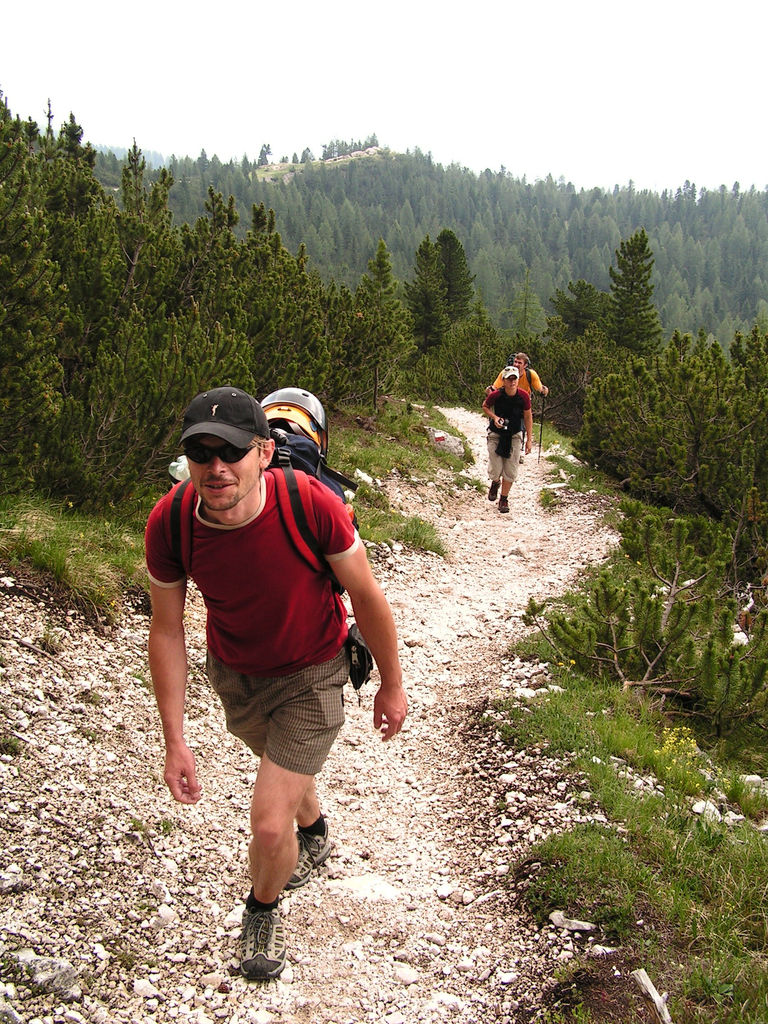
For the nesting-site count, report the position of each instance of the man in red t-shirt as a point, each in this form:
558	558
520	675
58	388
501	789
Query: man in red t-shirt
276	655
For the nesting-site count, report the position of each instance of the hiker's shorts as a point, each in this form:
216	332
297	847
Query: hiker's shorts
292	719
506	468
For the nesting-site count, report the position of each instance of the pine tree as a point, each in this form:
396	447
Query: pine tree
468	357
667	627
342	331
30	317
634	320
83	239
385	327
156	314
459	290
685	429
584	305
426	297
527	314
283	311
570	366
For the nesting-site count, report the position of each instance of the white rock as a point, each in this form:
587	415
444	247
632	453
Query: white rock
212	980
707	810
144	988
756	781
262	1016
372	887
508	977
559	920
406	975
234	918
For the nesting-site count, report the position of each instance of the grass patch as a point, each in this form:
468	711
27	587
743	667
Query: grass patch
698	887
386	527
580	477
395	439
548	499
93	559
752	800
10	745
579	869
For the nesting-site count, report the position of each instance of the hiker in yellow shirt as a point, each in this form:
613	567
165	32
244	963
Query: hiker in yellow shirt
529	379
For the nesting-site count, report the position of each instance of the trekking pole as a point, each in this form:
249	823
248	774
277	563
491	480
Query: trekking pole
541	431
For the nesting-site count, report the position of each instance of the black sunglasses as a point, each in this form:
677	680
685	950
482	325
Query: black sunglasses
201	453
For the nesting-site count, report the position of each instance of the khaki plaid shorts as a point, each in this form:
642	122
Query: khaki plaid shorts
292	719
498	467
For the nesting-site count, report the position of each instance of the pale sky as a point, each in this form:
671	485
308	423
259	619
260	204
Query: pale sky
598	92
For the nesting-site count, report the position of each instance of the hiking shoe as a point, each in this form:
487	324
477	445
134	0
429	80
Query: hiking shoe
493	490
262	945
313	851
503	504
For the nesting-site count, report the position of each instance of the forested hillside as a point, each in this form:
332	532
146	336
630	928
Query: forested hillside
710	247
113	313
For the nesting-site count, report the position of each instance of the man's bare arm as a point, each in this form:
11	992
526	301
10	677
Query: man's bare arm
374	617
168	666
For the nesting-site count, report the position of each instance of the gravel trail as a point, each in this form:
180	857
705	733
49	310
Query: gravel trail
126	906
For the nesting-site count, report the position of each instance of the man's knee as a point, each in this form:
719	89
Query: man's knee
271	832
277	795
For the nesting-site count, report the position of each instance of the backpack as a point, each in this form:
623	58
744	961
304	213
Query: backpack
295	451
294	503
299	427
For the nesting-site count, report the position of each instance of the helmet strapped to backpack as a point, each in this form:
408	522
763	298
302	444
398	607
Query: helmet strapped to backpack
299	427
298	412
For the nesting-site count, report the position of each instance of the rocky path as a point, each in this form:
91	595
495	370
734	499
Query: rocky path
125	906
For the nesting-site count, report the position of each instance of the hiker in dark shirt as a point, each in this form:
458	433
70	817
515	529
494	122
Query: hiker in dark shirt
509	410
529	381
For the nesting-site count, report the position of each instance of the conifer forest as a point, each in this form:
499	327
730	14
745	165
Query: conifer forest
126	288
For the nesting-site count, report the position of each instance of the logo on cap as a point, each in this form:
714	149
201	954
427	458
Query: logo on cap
213	409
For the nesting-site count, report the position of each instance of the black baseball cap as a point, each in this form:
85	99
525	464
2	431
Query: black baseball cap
228	413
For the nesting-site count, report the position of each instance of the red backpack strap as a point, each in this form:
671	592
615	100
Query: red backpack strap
294	502
179	505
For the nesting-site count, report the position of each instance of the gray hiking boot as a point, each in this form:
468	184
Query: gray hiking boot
262	945
313	851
